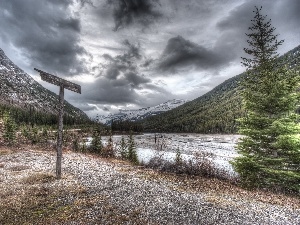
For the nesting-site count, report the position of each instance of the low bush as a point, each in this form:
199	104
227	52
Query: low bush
39	178
18	168
107	152
200	165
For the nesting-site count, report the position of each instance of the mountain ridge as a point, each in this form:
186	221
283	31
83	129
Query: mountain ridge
135	115
214	112
18	89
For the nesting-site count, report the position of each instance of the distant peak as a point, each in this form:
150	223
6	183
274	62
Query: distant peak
142	113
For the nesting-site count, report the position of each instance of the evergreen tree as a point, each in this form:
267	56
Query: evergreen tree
269	150
124	152
132	155
96	144
25	132
34	135
83	147
44	135
178	157
75	143
108	151
10	129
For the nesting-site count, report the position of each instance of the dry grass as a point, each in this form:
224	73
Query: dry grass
38	198
35	201
43	204
39	178
4	152
220	192
29	197
18	168
106	212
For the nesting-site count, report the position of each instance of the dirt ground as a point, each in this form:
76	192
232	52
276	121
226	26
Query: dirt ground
94	190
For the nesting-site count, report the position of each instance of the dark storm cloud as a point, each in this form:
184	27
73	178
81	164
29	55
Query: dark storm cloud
136	80
120	78
284	17
112	73
86	107
147	63
84	2
121	82
110	48
105	109
107	91
108	57
134	50
122	64
46	32
126	60
181	53
290	11
129	12
70	23
120	92
236	24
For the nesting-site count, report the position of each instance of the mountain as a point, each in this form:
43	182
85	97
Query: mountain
139	114
21	91
213	112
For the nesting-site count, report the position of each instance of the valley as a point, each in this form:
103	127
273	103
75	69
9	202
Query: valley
185	112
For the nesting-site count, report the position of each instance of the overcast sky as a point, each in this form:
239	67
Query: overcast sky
128	54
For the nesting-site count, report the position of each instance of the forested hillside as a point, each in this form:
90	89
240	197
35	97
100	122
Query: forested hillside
213	112
28	101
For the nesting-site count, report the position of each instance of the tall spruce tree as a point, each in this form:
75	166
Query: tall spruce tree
270	148
132	154
123	148
10	129
96	144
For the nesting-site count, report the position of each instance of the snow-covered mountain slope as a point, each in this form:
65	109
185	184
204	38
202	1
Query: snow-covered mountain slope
19	89
139	114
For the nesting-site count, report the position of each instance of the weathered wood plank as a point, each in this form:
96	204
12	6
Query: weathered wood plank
58	81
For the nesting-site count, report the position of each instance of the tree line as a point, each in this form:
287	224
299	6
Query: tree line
33	116
126	126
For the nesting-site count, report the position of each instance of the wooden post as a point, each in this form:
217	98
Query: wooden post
63	84
60	131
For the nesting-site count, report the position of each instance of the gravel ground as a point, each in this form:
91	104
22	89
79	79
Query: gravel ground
153	201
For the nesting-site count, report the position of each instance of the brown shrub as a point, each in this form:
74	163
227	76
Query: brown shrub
18	168
200	165
108	152
39	178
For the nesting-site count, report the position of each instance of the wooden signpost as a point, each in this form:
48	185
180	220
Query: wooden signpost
63	84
